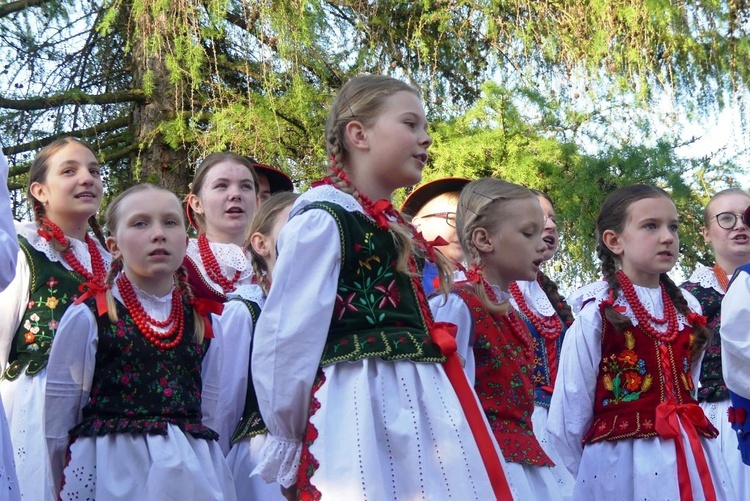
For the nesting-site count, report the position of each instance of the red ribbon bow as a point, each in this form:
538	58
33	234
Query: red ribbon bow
429	245
92	289
474	274
695	318
379	212
203	307
669	417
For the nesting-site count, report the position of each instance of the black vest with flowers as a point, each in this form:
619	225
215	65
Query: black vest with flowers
251	423
713	388
138	388
377	311
52	288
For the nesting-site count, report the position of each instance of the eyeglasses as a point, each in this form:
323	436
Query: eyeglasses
450	217
727	220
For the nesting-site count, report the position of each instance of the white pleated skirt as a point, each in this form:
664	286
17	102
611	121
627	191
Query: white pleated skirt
563	479
145	467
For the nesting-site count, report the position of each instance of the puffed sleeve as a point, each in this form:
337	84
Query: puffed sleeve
70	371
453	310
735	336
13	302
236	325
291	334
8	239
571	411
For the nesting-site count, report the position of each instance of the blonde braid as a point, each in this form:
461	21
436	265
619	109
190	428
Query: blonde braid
114	269
181	277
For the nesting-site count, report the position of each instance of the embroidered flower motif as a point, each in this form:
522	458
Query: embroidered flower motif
390	295
624	374
344	304
647	424
624	424
52	282
32	303
628	357
51	303
52	324
29	337
632	381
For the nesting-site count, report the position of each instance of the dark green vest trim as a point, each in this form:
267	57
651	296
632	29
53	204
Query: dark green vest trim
52	288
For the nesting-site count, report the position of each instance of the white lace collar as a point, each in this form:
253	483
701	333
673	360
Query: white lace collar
650	298
80	249
249	292
231	258
706	278
159	307
536	299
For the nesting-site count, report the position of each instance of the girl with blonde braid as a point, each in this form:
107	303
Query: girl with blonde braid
133	375
59	263
623	416
242	427
362	392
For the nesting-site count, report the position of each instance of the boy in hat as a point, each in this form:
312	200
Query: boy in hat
271	180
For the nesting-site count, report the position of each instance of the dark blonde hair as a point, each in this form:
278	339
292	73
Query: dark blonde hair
362	99
112	221
198	220
481	205
613	216
38	174
722	193
263	223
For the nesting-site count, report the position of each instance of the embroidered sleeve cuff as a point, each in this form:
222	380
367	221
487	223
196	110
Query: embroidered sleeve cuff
280	461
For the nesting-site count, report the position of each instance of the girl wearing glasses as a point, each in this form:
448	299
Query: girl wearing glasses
730	240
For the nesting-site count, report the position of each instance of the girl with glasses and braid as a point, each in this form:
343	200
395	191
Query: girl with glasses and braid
59	263
362	392
623	416
729	238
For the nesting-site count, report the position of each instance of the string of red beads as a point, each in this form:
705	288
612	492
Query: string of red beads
548	327
145	322
49	230
645	319
213	270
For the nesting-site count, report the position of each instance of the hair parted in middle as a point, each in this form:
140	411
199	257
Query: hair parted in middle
362	99
614	215
113	217
481	205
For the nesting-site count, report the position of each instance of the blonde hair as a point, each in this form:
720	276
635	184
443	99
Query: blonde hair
263	223
362	99
481	205
199	220
113	217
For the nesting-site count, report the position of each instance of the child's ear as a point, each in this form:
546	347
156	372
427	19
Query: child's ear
260	245
195	203
612	241
480	239
39	191
356	135
112	247
704	232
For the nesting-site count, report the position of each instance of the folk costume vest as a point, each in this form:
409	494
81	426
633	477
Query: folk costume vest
377	313
636	374
198	283
139	388
503	383
251	423
52	288
712	387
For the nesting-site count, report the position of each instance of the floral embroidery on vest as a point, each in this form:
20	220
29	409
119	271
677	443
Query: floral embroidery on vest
625	375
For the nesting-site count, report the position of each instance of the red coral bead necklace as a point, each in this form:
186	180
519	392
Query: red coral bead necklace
49	230
645	319
549	328
213	270
146	322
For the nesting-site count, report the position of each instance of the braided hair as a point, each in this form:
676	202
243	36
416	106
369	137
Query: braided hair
613	216
362	99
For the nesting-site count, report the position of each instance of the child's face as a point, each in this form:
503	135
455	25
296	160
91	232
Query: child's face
150	237
227	201
265	245
549	235
73	185
397	143
517	248
438	219
729	244
649	243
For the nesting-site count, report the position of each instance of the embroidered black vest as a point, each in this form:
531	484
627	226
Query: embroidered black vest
712	387
52	288
138	388
377	313
251	423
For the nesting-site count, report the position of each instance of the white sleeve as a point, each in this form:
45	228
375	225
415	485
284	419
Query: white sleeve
571	411
13	303
70	371
735	336
453	310
211	379
8	238
291	334
236	325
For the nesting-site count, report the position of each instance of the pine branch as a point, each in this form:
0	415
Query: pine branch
72	97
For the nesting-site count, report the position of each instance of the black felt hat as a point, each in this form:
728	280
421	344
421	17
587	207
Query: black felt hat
429	190
278	180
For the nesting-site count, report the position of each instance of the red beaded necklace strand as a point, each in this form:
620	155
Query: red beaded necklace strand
645	319
213	270
549	328
722	277
49	230
519	328
144	321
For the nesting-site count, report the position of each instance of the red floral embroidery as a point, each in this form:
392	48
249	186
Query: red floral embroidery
629	357
308	464
632	381
390	294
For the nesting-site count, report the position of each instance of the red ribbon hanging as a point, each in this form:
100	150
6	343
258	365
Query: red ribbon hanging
429	245
669	416
203	307
444	335
697	319
91	289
